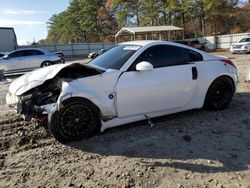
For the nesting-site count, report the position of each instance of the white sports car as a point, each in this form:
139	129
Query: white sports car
130	82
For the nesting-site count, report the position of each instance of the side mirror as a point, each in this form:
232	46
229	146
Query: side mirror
144	66
92	55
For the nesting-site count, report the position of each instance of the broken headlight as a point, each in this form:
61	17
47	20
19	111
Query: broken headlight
11	99
26	97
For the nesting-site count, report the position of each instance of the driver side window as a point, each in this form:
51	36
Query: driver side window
16	54
163	56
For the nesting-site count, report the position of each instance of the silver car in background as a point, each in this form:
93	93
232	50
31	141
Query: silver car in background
24	60
241	47
2	54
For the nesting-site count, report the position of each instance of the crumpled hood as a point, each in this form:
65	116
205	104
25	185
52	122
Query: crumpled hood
35	78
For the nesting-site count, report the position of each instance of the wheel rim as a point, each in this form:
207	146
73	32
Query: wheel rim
77	121
222	93
45	64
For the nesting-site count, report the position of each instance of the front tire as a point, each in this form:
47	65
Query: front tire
220	94
78	119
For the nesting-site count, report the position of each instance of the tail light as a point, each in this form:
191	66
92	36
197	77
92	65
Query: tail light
227	61
61	56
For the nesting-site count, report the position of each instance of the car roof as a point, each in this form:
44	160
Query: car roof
140	42
143	43
151	42
39	49
156	42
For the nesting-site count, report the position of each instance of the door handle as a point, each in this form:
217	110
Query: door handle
194	73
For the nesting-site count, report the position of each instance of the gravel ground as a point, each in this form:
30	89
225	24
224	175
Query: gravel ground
191	149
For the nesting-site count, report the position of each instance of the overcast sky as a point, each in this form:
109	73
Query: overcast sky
29	17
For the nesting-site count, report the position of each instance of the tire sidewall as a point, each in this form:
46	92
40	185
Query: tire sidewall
43	64
54	124
209	103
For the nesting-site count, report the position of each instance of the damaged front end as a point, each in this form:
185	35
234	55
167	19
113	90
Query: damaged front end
36	101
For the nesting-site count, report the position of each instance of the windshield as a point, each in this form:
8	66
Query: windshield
245	40
115	57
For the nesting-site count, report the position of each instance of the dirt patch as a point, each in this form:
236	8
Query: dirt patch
190	149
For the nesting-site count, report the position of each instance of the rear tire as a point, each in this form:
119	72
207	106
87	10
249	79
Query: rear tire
220	94
46	64
78	119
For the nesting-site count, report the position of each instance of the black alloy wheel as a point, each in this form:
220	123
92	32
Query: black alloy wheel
78	119
220	94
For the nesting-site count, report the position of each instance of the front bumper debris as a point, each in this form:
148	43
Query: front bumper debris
12	100
26	107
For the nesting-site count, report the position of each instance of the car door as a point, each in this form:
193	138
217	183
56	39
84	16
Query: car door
14	61
169	85
33	59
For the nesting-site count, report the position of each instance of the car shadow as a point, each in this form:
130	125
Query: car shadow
196	140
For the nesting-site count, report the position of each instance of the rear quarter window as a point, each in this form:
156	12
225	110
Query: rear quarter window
195	56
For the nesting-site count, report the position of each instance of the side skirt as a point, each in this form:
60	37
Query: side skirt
196	104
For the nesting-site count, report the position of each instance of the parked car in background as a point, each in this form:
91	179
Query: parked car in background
182	42
23	60
93	55
198	45
130	82
193	43
61	55
2	54
241	47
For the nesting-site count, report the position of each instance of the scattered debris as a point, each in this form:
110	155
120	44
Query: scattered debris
180	185
210	180
187	138
216	131
1	163
234	156
149	121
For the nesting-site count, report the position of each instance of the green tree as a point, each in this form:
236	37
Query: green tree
107	20
151	10
98	20
127	12
88	17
